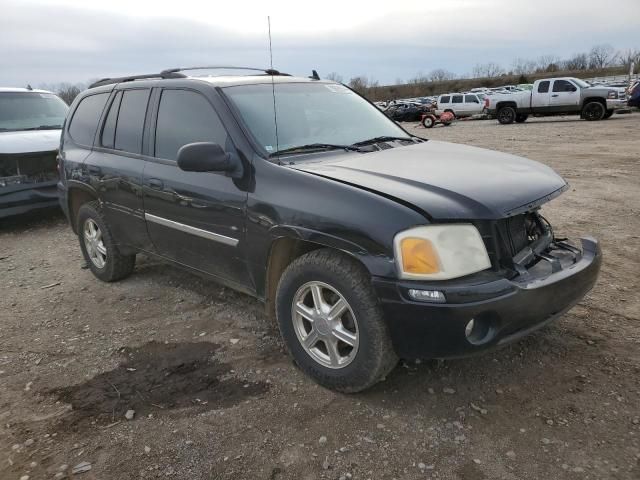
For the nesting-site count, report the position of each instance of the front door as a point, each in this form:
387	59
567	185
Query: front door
194	218
565	96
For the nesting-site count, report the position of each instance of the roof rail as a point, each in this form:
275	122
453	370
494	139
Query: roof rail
163	74
268	71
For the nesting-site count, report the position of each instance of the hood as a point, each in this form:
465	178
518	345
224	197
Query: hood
447	181
29	141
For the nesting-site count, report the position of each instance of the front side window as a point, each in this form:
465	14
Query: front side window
456	99
130	123
308	113
31	111
186	117
85	119
471	99
563	86
543	87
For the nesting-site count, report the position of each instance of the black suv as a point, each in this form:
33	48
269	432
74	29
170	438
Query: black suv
367	243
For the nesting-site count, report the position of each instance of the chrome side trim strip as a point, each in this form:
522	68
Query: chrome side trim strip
192	230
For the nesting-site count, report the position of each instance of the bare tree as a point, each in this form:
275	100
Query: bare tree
629	56
487	70
579	61
334	77
360	84
441	75
68	92
522	66
601	56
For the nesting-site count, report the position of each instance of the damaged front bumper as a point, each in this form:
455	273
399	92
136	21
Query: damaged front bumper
19	198
485	310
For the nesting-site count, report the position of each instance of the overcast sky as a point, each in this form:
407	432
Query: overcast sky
46	42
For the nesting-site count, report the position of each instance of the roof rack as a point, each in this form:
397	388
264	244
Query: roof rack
267	71
163	74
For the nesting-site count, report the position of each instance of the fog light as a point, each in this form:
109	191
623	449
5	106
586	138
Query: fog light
434	296
480	330
469	328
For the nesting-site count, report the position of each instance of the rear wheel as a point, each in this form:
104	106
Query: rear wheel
506	115
98	247
593	111
331	321
428	121
607	114
521	117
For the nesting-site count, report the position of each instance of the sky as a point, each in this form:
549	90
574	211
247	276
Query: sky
48	42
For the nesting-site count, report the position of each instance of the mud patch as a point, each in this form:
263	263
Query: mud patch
157	377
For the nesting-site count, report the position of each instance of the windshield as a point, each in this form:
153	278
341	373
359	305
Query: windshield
31	111
580	83
309	113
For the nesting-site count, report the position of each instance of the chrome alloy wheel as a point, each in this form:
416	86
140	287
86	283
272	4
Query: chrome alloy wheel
325	325
94	244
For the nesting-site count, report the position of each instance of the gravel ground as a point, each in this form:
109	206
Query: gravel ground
166	375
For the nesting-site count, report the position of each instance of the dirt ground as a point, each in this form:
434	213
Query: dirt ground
215	396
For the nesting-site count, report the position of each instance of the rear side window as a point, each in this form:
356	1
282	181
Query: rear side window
543	87
85	119
109	130
130	123
456	99
186	117
471	99
445	99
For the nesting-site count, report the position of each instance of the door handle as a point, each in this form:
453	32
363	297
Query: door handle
156	183
554	95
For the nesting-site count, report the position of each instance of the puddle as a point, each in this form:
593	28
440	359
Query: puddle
157	377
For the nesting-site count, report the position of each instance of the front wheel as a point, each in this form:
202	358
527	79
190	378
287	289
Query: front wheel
331	322
593	111
506	115
98	246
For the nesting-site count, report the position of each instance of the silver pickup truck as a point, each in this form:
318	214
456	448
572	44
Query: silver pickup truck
556	96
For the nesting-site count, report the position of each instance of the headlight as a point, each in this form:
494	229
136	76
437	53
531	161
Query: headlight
440	252
613	94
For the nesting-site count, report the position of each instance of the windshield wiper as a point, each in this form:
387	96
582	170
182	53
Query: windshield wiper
384	138
315	146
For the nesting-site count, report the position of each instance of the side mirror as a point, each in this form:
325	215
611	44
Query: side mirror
208	157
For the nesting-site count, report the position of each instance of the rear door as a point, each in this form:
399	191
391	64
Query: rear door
540	96
116	166
565	96
194	218
457	105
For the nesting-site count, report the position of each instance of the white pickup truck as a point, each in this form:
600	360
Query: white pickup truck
556	96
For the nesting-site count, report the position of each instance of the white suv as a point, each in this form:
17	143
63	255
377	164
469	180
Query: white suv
460	104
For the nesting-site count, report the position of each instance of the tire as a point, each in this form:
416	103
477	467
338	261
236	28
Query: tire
521	117
334	277
98	246
607	114
428	121
593	111
506	115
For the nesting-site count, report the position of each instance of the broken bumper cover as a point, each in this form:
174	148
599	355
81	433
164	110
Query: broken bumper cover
21	198
503	310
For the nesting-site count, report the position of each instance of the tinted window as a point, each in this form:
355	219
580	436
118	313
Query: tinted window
471	99
109	130
186	117
543	87
85	119
457	99
130	123
562	86
445	99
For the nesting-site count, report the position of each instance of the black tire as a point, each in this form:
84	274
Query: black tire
593	111
521	117
607	114
506	115
446	124
428	121
116	266
374	357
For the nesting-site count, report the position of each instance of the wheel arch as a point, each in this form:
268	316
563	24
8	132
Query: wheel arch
78	194
594	99
508	103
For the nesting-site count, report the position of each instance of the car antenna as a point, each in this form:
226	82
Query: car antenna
29	87
273	88
314	75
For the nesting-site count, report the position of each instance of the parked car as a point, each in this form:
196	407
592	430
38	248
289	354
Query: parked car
30	125
367	243
556	96
461	105
634	95
405	112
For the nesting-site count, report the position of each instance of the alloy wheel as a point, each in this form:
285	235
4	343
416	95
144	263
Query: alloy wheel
94	243
325	325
